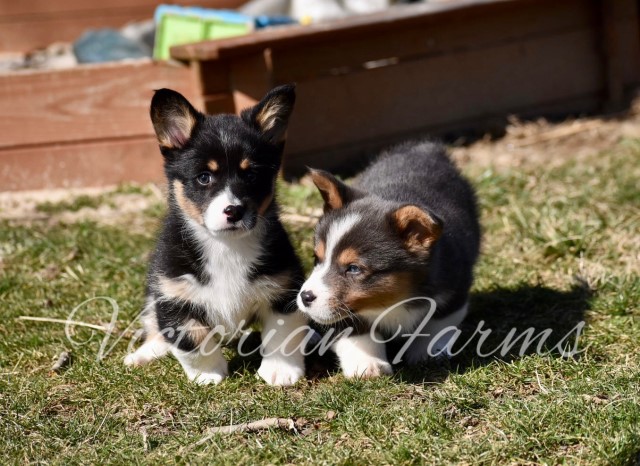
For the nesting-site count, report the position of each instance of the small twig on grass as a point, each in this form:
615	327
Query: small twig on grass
68	322
279	422
145	439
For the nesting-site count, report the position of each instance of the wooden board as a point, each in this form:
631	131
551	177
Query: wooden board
361	106
76	165
58	7
349	159
377	23
376	79
85	103
435	35
363	83
87	126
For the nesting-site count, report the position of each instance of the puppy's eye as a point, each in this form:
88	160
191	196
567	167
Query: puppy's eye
353	269
251	176
205	178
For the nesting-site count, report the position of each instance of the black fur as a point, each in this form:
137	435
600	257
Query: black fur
189	142
421	173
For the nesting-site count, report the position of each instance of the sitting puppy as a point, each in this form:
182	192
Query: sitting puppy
394	256
223	259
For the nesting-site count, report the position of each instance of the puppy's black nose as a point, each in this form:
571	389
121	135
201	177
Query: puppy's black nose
233	213
307	297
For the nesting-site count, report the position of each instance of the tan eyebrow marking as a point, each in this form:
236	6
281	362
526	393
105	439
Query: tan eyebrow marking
388	292
320	250
186	204
245	164
348	256
213	165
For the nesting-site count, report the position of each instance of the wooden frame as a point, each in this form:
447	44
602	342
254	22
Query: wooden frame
363	83
368	81
84	126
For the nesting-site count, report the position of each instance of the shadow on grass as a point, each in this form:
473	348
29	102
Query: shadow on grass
509	313
499	313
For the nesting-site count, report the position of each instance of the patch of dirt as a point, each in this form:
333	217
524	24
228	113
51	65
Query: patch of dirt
541	143
118	208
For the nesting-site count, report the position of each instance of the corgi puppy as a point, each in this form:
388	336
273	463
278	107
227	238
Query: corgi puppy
394	258
223	259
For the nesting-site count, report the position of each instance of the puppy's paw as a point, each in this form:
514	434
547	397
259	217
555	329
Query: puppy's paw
136	359
207	378
281	371
203	369
153	348
366	368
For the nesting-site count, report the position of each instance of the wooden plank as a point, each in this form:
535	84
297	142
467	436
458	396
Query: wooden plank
349	159
433	36
628	42
214	76
85	103
340	110
219	103
396	18
612	59
77	165
621	56
62	7
250	79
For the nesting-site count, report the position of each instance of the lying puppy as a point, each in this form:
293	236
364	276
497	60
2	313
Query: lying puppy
394	255
223	258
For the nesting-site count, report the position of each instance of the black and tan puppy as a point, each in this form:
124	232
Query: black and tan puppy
394	256
223	258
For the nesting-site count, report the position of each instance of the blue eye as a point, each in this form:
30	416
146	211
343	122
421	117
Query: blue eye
353	269
205	178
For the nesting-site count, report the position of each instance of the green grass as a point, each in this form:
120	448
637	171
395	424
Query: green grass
560	245
90	202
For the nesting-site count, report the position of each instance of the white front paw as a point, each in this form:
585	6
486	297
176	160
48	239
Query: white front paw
205	371
366	368
134	360
207	378
281	372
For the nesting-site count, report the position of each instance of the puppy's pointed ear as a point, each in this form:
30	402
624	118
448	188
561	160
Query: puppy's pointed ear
271	115
335	193
418	229
173	118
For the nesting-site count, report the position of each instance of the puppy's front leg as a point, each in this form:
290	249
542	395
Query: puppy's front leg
154	347
205	364
282	348
438	338
361	356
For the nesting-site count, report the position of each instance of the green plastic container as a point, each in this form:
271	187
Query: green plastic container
182	25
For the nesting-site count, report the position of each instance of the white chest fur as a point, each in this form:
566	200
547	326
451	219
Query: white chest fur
229	296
